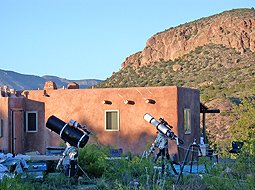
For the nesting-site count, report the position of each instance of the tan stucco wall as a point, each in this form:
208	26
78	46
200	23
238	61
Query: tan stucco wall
86	107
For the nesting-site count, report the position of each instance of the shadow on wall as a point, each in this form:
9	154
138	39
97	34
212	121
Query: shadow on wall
131	142
35	136
3	131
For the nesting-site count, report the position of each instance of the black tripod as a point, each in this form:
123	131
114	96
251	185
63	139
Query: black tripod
194	152
69	162
161	142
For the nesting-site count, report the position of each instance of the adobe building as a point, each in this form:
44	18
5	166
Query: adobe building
113	115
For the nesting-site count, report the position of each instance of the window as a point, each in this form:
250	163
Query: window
1	128
187	121
31	121
112	120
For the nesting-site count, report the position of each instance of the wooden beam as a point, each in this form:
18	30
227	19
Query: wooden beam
212	111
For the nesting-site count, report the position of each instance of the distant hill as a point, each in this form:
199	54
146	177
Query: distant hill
31	82
215	55
84	83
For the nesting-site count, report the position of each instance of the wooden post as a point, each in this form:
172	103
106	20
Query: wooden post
204	129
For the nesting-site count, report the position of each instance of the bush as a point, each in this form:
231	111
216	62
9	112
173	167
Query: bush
92	158
17	183
244	128
134	173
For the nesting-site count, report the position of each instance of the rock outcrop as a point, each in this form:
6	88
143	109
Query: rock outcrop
234	29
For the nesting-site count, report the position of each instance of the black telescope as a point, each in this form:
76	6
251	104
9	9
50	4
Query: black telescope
162	127
71	132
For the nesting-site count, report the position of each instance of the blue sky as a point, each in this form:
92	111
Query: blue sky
81	39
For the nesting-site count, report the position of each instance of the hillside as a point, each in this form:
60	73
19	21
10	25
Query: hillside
219	72
31	82
214	54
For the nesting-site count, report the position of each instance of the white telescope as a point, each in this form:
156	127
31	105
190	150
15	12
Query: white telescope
162	126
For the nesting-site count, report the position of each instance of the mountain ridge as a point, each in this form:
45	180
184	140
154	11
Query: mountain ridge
233	29
20	81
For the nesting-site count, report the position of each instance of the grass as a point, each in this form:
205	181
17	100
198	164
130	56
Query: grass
134	173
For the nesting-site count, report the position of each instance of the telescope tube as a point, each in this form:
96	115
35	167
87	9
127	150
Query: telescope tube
73	135
160	127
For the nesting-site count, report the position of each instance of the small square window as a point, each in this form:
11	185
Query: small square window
31	121
187	121
112	120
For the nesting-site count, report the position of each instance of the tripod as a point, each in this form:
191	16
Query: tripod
192	149
69	162
161	142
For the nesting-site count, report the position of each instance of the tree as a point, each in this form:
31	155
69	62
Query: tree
243	128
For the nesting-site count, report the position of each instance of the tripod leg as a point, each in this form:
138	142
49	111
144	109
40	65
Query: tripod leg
157	155
72	168
83	172
171	162
183	164
192	158
163	154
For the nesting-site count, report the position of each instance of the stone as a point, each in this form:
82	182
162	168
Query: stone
177	67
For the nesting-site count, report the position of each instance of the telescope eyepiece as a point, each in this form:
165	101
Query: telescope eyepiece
164	122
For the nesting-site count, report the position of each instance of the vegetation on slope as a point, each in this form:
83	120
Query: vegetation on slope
217	71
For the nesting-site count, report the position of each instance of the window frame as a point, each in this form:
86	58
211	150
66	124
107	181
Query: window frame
118	120
187	125
1	127
36	122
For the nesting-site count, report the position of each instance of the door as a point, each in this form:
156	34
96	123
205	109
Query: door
17	131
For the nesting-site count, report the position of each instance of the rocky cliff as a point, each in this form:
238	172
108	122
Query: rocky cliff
233	29
215	55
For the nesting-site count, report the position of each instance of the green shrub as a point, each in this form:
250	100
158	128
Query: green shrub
16	183
244	128
92	158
